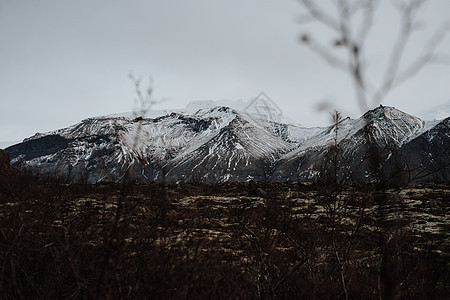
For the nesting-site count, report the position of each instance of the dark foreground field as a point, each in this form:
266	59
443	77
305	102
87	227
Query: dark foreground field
239	241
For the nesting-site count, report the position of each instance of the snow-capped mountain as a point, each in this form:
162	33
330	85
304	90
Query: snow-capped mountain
355	148
223	144
105	148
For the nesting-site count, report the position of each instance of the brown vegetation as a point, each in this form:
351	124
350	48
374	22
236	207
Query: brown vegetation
247	240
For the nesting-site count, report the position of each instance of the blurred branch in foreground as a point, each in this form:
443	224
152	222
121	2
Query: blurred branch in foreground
352	25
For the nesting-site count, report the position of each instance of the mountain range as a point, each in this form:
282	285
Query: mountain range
219	144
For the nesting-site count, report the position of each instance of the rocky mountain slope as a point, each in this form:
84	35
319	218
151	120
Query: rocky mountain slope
222	144
425	158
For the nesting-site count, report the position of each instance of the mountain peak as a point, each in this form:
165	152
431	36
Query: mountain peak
211	145
389	113
377	111
390	125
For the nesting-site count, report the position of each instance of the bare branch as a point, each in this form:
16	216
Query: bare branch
408	12
144	99
326	55
426	58
353	37
318	14
370	8
355	62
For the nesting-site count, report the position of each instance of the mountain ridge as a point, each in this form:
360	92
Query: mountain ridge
223	144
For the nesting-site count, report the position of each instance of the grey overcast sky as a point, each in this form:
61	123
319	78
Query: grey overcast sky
63	60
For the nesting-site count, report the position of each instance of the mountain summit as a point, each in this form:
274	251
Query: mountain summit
223	144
